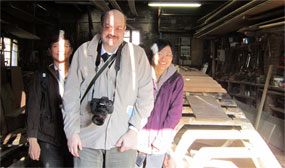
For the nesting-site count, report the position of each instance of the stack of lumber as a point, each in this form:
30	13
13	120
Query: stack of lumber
197	81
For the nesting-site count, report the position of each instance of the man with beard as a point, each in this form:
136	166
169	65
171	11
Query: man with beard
126	82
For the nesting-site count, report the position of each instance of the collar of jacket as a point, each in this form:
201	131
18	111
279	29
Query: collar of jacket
92	46
52	70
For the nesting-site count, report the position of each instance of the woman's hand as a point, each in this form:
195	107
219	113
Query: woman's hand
34	149
74	144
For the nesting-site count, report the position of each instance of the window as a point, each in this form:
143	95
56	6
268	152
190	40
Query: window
132	36
9	47
136	37
127	36
14	60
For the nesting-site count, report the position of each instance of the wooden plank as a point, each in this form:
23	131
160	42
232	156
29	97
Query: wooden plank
218	9
209	90
255	26
259	112
192	73
228	103
235	23
206	108
206	82
202	84
227	6
272	25
187	110
224	18
199	79
191	80
234	110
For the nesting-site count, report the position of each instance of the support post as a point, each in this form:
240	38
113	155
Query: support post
256	124
213	58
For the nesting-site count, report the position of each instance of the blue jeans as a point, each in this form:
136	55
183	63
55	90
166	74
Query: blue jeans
105	158
55	156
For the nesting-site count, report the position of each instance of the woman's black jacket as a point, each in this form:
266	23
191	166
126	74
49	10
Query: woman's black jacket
44	117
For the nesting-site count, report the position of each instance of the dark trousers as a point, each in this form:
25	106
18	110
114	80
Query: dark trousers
55	156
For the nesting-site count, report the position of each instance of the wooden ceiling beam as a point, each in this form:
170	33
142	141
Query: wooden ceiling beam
115	5
234	21
100	4
256	26
220	11
230	15
13	10
133	7
213	11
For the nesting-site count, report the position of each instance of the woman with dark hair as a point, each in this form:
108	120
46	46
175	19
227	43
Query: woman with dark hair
156	137
46	137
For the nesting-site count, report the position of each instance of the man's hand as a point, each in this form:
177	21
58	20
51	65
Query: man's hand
74	143
34	149
127	141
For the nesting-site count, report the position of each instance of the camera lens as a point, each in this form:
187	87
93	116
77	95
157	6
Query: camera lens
98	119
100	108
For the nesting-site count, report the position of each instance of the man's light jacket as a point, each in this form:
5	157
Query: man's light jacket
133	100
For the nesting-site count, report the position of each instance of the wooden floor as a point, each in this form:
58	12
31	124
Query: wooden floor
279	154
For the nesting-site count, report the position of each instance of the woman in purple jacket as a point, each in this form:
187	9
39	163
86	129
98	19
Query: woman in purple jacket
157	135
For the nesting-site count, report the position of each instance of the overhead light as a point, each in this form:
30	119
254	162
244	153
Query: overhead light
168	4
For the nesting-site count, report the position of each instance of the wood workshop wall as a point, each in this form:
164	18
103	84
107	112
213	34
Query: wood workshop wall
275	52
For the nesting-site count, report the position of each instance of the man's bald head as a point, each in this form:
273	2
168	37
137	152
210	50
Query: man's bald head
112	12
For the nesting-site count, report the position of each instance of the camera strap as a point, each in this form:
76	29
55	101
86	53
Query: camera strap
108	62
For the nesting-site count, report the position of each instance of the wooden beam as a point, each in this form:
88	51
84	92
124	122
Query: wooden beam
235	19
206	108
256	26
13	10
213	58
19	32
115	5
235	12
100	4
266	15
132	7
260	108
212	12
219	11
272	25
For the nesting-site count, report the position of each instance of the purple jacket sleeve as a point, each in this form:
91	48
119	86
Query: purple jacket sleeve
165	136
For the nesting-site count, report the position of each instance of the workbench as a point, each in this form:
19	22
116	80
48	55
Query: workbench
214	132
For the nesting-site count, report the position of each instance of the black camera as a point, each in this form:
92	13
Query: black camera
100	108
